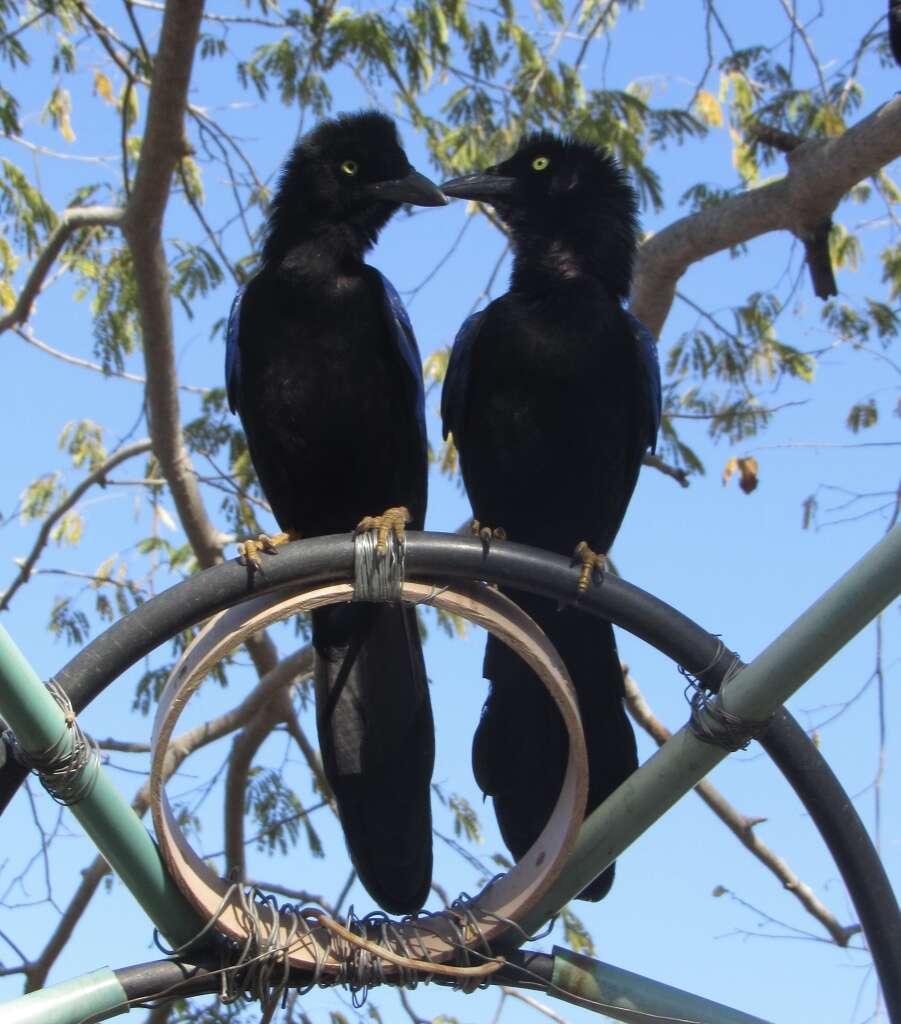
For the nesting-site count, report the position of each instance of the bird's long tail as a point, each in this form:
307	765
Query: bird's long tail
520	747
377	741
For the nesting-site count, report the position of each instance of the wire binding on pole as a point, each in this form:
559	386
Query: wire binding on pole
68	768
378	576
710	720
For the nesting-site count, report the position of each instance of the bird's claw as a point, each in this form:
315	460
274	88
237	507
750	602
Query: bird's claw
392	520
590	560
249	550
487	534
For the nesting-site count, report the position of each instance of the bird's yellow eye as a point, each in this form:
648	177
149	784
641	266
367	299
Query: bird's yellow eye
350	167
540	163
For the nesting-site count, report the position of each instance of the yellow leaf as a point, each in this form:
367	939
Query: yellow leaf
104	87
729	469
7	296
708	108
65	127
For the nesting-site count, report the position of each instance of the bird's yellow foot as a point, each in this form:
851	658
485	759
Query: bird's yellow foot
249	550
392	520
590	560
485	533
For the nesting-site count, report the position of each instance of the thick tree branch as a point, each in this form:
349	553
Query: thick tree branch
741	826
820	173
43	537
244	750
162	147
70	220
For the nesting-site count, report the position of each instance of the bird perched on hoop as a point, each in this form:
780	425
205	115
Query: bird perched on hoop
323	369
552	396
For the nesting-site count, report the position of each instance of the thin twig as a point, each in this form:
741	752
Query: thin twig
96	477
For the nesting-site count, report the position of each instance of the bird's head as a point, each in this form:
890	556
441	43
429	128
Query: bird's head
556	191
348	173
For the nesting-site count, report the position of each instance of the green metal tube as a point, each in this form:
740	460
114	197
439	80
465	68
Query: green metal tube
621	995
95	996
755	693
104	814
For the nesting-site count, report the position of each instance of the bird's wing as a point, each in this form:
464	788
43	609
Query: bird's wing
652	392
456	379
232	352
405	340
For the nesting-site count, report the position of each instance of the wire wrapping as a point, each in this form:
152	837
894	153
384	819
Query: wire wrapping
710	720
68	768
258	968
378	575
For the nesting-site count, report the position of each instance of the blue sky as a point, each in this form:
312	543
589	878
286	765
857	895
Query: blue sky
740	565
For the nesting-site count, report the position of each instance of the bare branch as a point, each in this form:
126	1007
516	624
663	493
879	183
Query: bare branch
820	172
70	220
534	1003
162	147
97	477
244	749
679	475
741	826
26	335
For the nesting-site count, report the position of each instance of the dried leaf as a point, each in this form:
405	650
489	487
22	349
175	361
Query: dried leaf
747	469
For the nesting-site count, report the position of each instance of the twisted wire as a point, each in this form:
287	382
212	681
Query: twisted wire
258	967
710	720
69	768
378	576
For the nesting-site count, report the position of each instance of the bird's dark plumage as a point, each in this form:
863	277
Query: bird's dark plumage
894	29
552	394
323	368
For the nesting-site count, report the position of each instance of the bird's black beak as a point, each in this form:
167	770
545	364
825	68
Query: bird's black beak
484	187
415	188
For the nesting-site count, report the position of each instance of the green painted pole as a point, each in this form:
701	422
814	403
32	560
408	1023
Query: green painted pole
104	814
95	996
754	694
624	996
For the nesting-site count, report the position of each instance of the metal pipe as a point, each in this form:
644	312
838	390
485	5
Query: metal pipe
104	814
616	993
622	995
754	694
94	997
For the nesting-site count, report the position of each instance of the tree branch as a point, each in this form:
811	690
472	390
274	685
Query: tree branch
820	172
162	147
70	220
97	477
741	826
27	336
240	761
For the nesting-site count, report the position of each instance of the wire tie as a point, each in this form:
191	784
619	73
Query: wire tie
69	768
378	577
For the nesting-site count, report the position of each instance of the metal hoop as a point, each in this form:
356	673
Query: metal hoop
488	915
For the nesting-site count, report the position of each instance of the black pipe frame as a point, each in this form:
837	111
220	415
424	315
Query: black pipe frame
439	558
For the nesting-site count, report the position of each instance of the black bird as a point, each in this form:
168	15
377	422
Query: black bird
323	369
552	395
